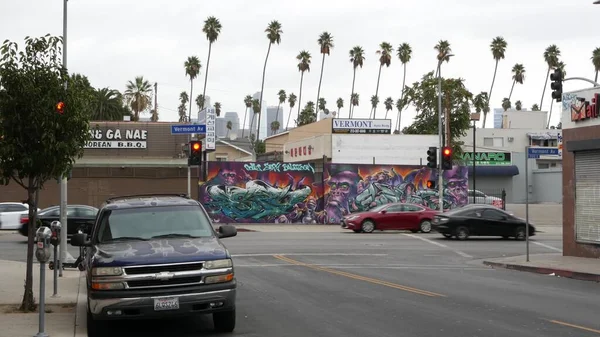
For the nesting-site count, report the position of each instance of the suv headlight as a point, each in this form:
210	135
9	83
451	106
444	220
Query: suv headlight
107	271
218	264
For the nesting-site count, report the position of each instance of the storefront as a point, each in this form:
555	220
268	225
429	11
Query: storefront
581	173
494	172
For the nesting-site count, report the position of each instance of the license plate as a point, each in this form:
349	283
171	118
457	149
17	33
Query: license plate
167	303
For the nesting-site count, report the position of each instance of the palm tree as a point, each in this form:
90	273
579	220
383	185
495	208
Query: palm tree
326	44
292	102
282	97
108	105
354	100
551	55
480	101
404	53
389	105
518	105
248	104
518	71
154	115
218	109
200	102
596	61
183	100
322	103
535	107
443	49
560	66
506	104
229	126
340	105
399	107
385	58
274	127
374	103
212	29
256	110
192	69
303	65
357	58
138	94
498	48
274	36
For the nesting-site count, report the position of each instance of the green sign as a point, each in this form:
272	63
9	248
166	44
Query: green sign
487	158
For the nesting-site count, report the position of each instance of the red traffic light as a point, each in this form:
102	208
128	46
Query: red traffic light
447	152
430	184
60	107
196	146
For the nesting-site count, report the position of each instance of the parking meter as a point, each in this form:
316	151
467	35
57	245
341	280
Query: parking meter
55	226
42	238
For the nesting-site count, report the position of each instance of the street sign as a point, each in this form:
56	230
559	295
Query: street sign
536	152
183	129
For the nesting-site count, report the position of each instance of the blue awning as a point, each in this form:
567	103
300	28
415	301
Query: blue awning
494	170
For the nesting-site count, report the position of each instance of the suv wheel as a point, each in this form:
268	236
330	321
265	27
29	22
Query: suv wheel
94	328
224	321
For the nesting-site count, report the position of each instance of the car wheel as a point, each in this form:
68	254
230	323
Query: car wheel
368	226
462	233
425	226
224	321
447	236
520	233
356	230
95	328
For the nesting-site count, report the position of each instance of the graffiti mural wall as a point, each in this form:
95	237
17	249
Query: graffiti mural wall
238	192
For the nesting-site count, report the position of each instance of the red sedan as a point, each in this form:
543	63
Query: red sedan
398	216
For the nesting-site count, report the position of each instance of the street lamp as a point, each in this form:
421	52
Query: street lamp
475	117
440	128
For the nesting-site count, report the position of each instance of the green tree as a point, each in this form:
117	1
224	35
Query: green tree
340	105
229	126
385	58
108	105
274	36
423	96
218	109
212	29
374	103
480	101
199	102
308	114
389	105
322	104
443	52
498	48
325	44
303	66
192	69
518	71
292	103
139	96
404	54
282	97
551	55
181	109
248	105
357	58
596	62
274	127
354	100
38	143
506	104
535	107
259	146
518	105
256	110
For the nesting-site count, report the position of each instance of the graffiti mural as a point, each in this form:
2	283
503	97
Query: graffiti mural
350	188
260	192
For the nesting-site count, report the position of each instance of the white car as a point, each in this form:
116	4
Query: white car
482	198
10	214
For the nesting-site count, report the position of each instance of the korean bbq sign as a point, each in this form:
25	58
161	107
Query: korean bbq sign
117	139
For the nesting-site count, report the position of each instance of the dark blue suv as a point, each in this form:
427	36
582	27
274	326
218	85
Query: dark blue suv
154	256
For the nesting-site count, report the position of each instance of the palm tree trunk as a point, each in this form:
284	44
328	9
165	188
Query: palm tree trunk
353	79
338	113
377	89
288	119
511	89
596	79
320	79
401	97
545	85
550	113
252	124
300	98
191	95
139	107
490	95
227	135
277	114
244	124
205	78
262	87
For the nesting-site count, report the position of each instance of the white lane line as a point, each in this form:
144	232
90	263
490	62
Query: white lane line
463	254
547	246
366	267
306	254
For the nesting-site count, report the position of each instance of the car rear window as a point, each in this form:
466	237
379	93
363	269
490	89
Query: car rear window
146	222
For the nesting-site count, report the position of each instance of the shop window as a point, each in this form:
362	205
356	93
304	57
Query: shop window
221	158
543	166
493	141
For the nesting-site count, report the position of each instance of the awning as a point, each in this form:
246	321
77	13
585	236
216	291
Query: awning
495	170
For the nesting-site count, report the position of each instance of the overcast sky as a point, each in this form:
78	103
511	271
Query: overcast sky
112	41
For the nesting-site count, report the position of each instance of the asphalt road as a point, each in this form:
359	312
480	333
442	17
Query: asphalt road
391	284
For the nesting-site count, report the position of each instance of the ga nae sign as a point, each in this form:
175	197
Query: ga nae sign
117	139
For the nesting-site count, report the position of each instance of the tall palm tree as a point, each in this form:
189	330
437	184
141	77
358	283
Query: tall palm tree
357	58
444	50
596	61
374	103
108	105
322	104
292	102
229	126
518	105
535	107
282	97
385	58
506	104
303	65
326	44
354	100
498	48
399	107
274	36
192	69
274	127
389	105
518	71
256	110
183	100
248	104
212	29
560	65
340	105
404	53
200	102
138	94
218	109
551	55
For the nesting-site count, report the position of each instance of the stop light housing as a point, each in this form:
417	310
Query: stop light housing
557	90
431	184
447	158
195	157
60	107
432	157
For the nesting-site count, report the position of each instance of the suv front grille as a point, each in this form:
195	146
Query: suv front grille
165	283
162	268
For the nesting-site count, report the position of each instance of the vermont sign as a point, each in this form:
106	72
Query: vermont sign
487	158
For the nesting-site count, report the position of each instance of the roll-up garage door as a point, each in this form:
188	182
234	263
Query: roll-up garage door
587	195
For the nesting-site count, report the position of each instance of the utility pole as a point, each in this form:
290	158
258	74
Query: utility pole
63	180
156	98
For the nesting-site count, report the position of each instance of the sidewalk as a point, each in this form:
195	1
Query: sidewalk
579	268
61	310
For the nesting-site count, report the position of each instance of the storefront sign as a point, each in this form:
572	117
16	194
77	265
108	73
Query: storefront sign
487	158
362	126
582	109
117	139
211	134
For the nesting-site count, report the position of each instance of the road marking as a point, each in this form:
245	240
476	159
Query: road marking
440	245
364	267
361	278
547	246
306	254
573	326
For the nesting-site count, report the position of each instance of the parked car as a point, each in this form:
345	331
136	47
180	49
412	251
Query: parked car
480	220
10	214
78	217
157	257
394	216
482	198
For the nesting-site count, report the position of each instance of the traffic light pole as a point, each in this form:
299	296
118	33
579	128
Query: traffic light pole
440	132
63	180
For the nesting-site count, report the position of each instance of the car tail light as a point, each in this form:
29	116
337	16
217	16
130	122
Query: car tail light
24	219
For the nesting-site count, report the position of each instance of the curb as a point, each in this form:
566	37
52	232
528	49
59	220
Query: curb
246	230
80	328
546	270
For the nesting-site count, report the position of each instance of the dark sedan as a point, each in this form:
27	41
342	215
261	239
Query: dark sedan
78	216
480	220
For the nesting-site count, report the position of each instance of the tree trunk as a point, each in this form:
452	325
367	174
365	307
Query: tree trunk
288	119
191	95
401	97
350	105
544	91
262	87
490	95
319	89
377	89
252	124
244	125
596	79
277	114
300	98
511	89
550	113
28	303
205	78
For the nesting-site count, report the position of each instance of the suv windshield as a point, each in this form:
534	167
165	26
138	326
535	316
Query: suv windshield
148	222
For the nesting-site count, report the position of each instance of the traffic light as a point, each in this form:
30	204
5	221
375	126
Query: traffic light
431	184
556	85
446	158
60	107
432	157
195	157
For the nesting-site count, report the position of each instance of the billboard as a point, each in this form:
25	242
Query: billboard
361	126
